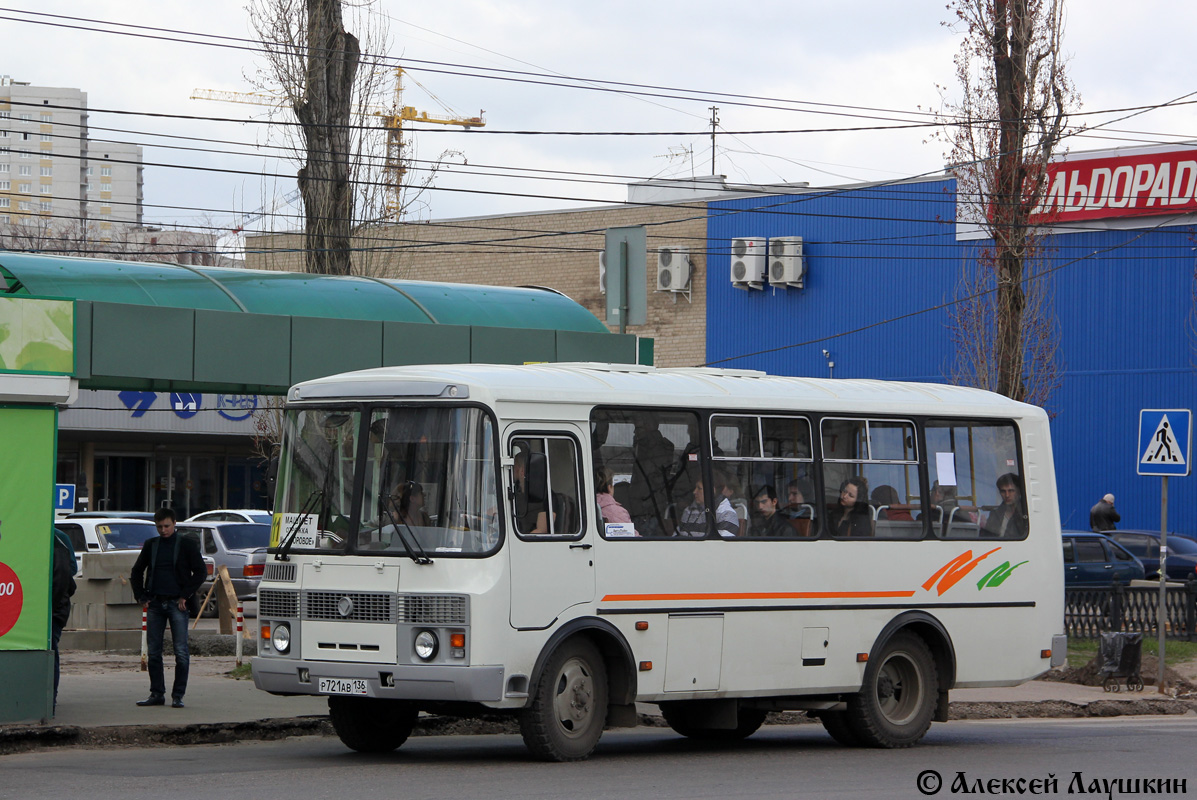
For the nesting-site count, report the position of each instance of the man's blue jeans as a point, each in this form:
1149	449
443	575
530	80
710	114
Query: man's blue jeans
158	612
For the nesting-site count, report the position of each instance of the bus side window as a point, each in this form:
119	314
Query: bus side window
966	462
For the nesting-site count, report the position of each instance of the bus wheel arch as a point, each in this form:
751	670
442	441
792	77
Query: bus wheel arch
615	651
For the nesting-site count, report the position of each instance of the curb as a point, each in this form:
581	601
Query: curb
26	738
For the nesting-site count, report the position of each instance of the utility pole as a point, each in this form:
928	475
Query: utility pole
714	122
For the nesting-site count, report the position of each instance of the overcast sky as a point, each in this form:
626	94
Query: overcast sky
876	54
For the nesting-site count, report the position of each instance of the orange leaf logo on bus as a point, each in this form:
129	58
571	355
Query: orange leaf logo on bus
950	573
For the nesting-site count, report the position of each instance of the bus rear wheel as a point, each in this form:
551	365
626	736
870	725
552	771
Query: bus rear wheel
897	701
371	724
683	718
569	704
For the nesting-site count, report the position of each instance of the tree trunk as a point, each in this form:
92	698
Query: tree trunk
324	114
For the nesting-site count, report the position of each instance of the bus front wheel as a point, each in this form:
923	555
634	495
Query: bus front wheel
371	724
569	704
897	701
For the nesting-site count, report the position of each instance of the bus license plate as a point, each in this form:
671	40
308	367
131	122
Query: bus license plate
338	686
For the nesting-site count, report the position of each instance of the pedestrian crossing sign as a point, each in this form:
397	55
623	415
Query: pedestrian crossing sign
1165	437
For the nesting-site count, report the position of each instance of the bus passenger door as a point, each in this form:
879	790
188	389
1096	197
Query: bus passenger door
550	549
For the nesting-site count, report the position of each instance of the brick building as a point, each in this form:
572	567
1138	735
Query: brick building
556	249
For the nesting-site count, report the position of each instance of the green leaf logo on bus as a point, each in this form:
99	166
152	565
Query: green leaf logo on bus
998	574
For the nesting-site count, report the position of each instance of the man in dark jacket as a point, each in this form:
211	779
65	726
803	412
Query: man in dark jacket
62	586
168	571
1103	516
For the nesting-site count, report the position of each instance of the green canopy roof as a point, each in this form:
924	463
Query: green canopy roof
293	294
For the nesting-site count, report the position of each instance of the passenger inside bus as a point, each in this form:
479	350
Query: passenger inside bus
1008	520
610	508
735	496
798	511
408	498
531	508
772	524
889	506
850	514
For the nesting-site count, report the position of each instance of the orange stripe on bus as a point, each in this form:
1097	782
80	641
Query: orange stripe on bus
631	598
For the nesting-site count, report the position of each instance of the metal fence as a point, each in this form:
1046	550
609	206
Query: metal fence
1090	612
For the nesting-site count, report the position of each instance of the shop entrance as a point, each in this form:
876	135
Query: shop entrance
121	483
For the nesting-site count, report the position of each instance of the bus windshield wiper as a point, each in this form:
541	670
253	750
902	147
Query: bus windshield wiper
285	548
422	558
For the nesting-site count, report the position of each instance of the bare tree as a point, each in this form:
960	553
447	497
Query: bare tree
313	62
379	199
1002	134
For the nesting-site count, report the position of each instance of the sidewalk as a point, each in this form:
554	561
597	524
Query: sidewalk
98	694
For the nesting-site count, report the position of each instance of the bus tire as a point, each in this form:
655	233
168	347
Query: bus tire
371	724
678	715
569	704
837	725
897	701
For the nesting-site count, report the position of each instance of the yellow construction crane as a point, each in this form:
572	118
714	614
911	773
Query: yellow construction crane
393	120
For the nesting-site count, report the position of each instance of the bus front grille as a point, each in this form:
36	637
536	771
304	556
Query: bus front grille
349	606
433	609
278	603
283	573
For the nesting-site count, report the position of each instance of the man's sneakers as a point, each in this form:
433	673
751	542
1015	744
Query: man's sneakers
153	700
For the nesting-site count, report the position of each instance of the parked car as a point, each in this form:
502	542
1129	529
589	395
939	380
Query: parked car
233	515
1092	560
101	534
1182	552
111	515
239	546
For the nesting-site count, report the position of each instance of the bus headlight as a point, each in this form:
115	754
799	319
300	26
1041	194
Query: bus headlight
281	638
426	645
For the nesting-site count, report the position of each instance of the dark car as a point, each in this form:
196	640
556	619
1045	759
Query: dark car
1182	552
1093	560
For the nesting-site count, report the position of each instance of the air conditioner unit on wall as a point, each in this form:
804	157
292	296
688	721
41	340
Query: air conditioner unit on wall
673	269
603	272
748	263
787	266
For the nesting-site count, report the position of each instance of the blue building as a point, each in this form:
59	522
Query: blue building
882	263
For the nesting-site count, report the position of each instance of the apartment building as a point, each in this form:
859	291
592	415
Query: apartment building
53	175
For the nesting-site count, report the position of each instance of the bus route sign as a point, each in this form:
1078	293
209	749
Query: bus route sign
1165	440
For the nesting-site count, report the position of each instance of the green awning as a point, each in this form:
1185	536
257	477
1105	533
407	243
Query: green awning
292	294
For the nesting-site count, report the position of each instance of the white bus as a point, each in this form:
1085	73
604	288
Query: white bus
854	549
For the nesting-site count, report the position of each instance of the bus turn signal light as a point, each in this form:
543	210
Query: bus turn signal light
457	640
1045	653
641	626
862	658
265	632
646	666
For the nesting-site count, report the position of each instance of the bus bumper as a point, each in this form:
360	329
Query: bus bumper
397	682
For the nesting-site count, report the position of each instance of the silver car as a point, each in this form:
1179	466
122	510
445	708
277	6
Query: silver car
239	546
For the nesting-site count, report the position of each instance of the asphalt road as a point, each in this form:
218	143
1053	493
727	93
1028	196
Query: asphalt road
778	762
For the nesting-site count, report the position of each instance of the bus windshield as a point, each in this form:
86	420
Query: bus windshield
428	487
429	483
316	472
